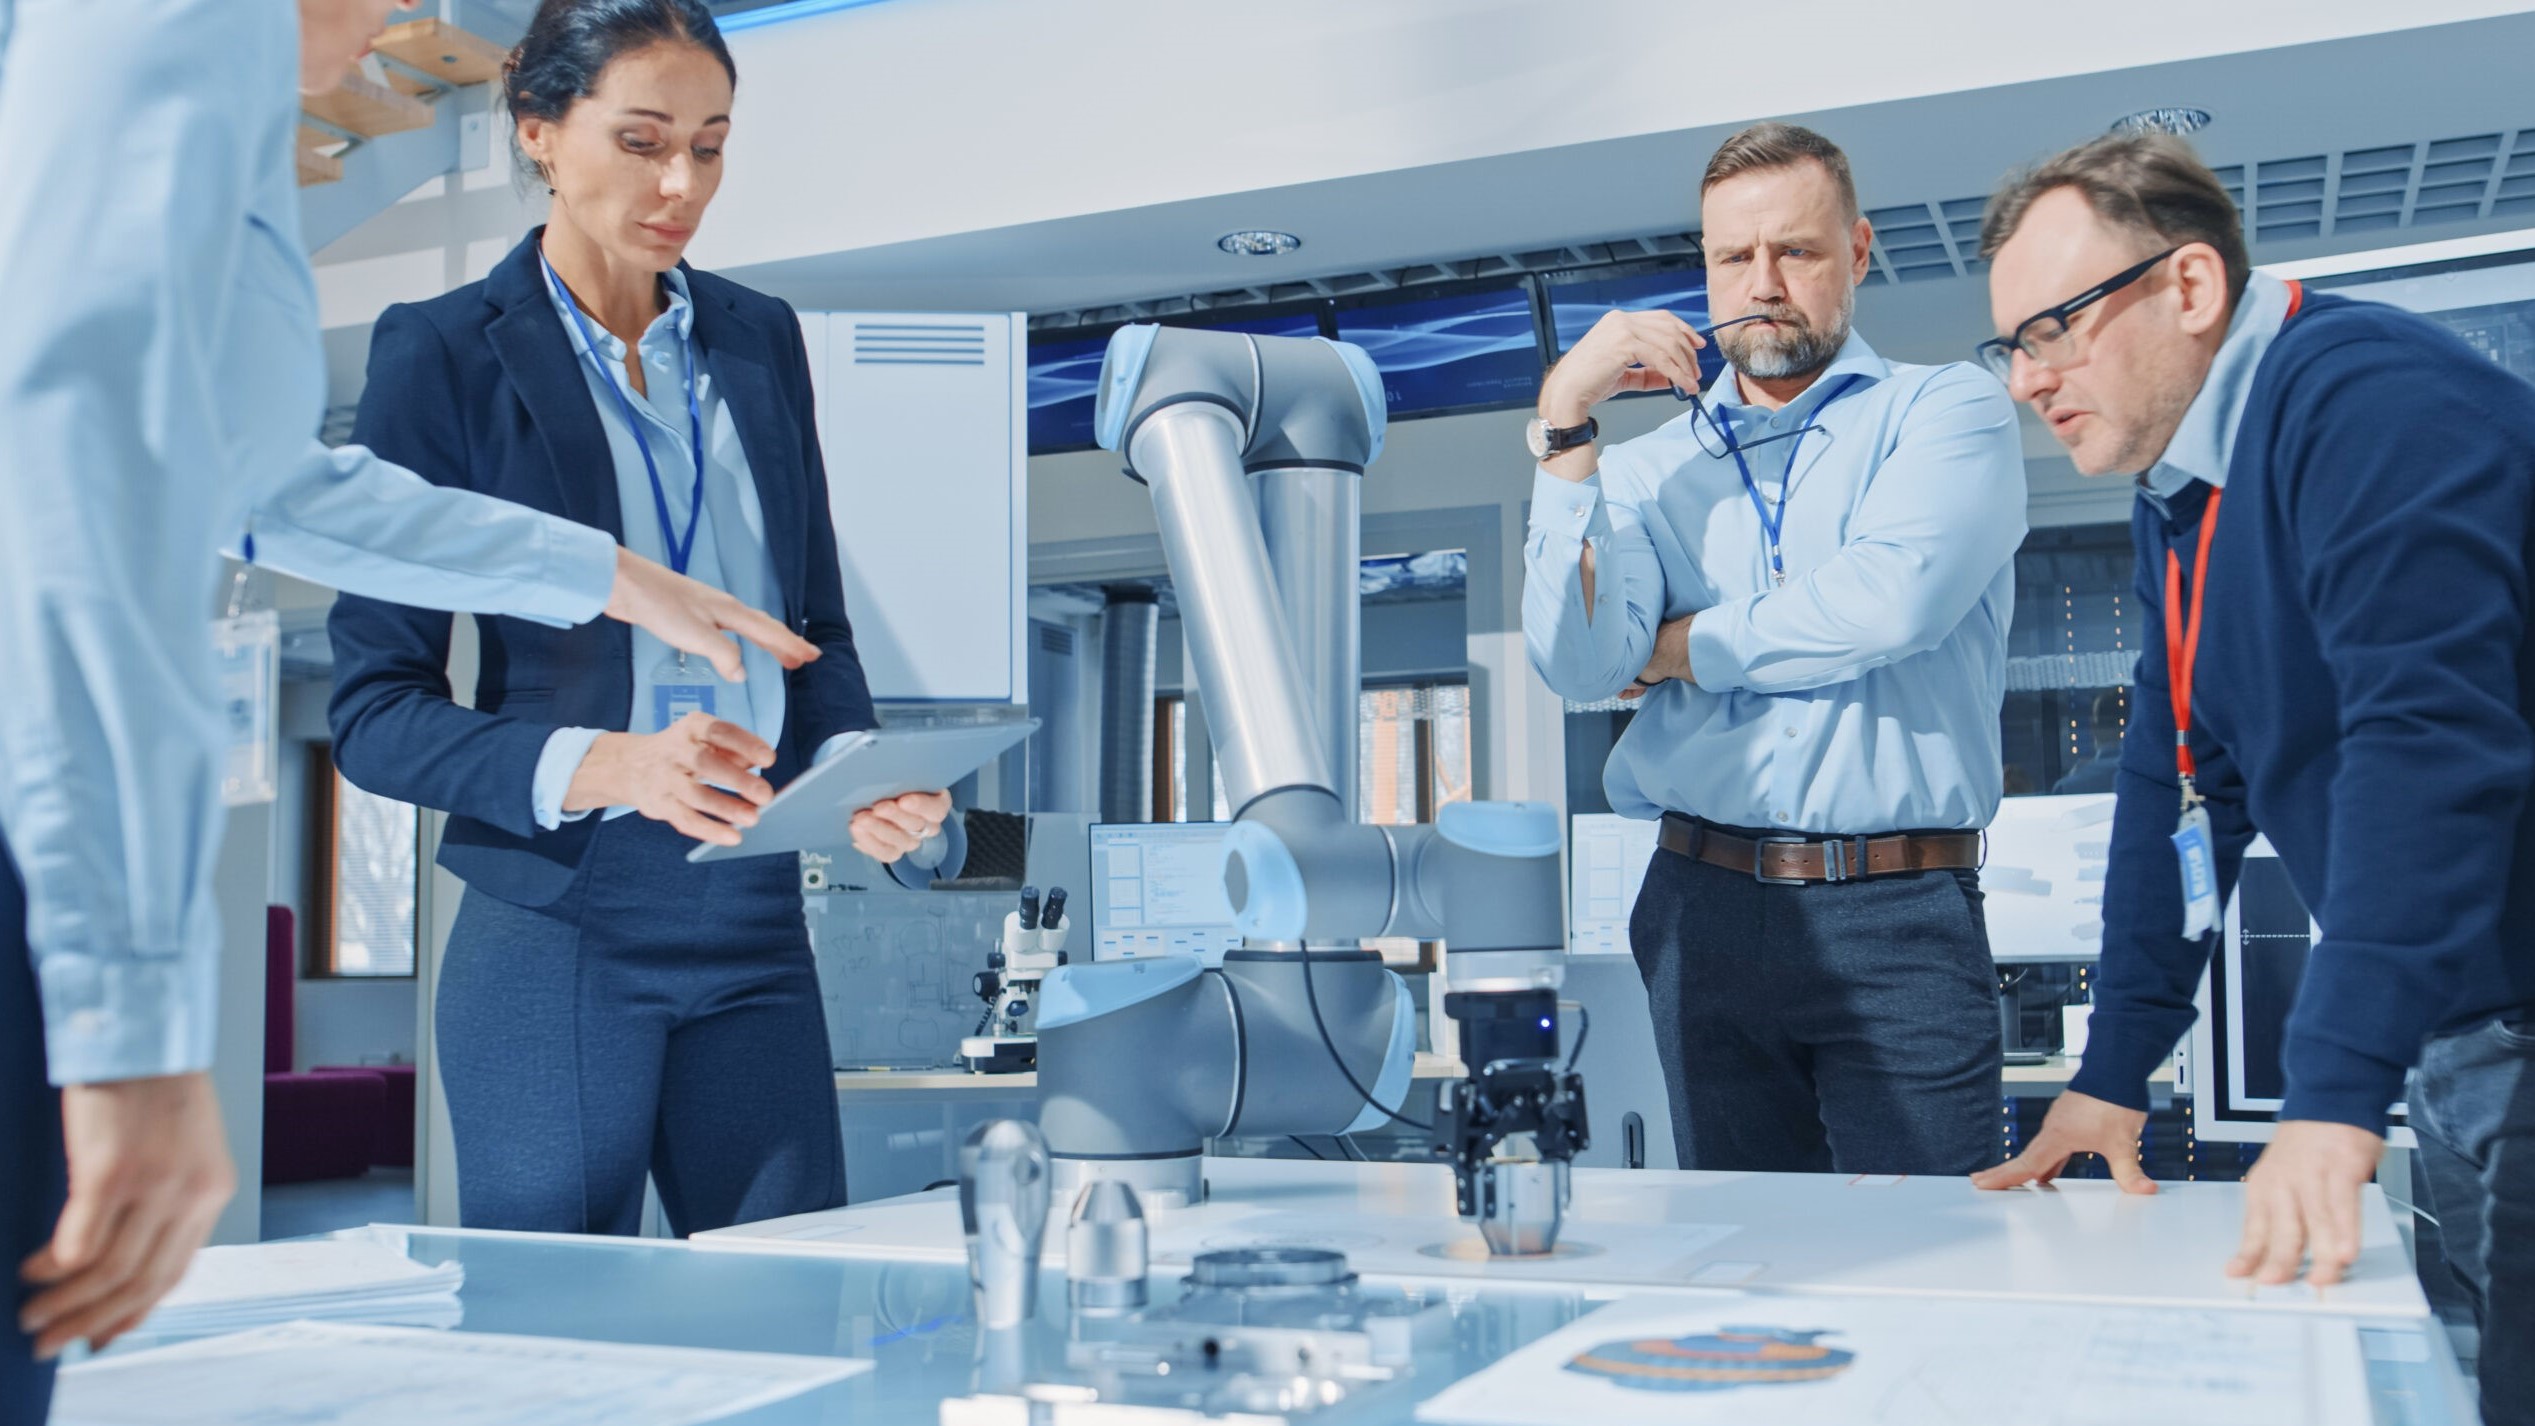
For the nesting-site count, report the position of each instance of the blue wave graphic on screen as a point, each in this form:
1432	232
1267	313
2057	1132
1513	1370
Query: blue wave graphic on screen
1442	341
1438	354
1575	306
1071	377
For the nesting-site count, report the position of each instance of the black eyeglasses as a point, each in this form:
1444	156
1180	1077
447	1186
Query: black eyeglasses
2045	335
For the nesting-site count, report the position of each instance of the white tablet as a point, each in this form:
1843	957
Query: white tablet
814	810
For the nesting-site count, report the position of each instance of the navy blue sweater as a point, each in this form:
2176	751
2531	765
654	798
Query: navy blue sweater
2362	698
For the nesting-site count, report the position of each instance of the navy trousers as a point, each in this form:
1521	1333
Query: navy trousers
1820	1028
32	1175
662	1018
2473	1112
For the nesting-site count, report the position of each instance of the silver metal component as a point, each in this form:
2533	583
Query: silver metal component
1106	1250
1311	520
1003	1202
1260	1269
1498	971
1266	730
1160	1184
1521	1205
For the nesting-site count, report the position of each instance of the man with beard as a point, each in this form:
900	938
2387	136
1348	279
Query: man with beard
1805	581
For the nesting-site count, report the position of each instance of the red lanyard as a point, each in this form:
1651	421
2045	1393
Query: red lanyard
2182	639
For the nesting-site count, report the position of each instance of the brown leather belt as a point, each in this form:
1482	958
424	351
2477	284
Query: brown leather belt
1793	861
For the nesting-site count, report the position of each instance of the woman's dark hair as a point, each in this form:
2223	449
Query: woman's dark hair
572	42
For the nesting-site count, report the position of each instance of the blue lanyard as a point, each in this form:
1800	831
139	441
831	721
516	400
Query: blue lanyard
681	548
1774	520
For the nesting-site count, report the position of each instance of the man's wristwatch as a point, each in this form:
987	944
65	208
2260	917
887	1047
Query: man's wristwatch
1547	440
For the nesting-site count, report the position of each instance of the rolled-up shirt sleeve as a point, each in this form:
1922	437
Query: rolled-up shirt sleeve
1588	651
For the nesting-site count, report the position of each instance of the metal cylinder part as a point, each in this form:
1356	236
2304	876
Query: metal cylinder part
1003	1203
1162	1182
1266	725
1127	628
1311	519
1106	1249
1522	1205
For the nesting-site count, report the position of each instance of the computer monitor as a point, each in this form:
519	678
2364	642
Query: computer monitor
1606	864
2232	1066
2043	879
1157	889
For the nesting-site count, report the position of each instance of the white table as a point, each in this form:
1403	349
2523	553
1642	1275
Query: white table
2082	1242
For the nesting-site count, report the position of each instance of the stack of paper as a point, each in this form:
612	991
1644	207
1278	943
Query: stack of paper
395	1376
353	1279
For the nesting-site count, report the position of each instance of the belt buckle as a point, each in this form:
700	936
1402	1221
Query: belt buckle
1760	859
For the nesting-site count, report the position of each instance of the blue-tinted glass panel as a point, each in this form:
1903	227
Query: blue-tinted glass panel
1451	353
1575	306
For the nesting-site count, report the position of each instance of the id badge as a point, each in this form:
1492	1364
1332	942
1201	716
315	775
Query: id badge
2199	858
248	652
679	687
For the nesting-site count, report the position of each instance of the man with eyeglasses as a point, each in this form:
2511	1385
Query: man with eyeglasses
2344	666
1805	582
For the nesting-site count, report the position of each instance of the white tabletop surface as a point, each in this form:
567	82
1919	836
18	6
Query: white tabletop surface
2082	1241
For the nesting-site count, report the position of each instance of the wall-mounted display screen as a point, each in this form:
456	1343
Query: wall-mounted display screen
1065	374
1455	352
1574	306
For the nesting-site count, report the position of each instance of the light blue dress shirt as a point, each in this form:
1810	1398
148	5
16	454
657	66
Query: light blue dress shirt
161	382
731	552
2206	439
1860	696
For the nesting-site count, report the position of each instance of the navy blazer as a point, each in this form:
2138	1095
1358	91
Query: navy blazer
481	389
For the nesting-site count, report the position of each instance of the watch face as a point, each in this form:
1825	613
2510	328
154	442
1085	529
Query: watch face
1536	435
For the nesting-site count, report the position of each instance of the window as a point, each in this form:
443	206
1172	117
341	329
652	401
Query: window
1412	754
363	885
1412	751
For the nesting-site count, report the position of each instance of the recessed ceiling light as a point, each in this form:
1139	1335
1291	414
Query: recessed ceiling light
1258	242
2172	119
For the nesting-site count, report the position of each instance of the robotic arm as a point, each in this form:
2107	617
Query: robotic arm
1254	449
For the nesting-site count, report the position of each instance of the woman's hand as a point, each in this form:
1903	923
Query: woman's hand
694	617
677	775
886	831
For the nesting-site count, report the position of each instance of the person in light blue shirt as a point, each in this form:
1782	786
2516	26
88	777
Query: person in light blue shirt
160	384
608	1011
1804	584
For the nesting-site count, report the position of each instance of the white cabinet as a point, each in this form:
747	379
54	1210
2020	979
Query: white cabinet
924	424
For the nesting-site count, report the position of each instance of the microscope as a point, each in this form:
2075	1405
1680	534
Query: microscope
1255	450
1033	944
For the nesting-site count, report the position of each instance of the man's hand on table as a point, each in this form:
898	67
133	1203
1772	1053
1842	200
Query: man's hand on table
2302	1203
2077	1124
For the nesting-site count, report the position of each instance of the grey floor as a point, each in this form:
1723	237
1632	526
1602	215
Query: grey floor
295	1210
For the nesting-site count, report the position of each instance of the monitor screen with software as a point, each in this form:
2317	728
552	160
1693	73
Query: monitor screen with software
1157	888
1606	864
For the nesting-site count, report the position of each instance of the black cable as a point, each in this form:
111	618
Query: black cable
1331	1045
1576	1051
1348	1147
1306	1148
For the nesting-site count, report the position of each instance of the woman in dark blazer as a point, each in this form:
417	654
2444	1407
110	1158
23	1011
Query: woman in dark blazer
608	1010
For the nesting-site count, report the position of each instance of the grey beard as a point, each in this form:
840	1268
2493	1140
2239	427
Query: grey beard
1779	358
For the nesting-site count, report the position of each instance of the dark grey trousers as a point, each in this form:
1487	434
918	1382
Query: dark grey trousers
1849	1028
2473	1111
